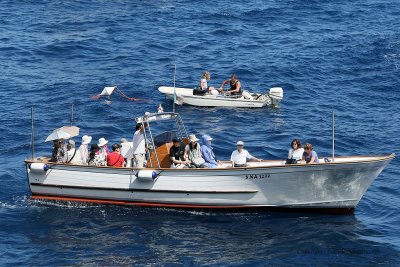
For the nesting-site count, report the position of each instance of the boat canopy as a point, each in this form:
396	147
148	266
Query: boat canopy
157	117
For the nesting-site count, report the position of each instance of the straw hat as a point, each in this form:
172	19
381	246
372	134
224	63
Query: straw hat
193	138
102	141
86	139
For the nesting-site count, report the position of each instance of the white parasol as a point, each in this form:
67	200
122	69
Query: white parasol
64	132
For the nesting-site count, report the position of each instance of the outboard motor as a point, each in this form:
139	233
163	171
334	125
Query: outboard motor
276	95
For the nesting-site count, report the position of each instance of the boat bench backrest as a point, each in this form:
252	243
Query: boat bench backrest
163	155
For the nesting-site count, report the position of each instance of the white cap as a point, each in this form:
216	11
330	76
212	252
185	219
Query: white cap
239	143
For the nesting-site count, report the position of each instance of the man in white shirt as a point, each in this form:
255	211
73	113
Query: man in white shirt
72	155
240	156
139	146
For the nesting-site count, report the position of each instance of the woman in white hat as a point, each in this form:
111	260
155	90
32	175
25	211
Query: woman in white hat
193	153
103	148
83	149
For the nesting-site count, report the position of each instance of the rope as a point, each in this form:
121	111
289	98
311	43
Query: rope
122	94
129	98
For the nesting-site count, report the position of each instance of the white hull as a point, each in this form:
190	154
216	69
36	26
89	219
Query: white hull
327	186
185	96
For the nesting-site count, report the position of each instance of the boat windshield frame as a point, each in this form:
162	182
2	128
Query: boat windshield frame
148	135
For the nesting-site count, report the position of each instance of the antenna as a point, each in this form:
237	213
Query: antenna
32	135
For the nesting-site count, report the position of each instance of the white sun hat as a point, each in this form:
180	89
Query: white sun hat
102	141
86	139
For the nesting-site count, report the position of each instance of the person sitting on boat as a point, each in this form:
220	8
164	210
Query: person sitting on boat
176	154
83	148
103	147
115	159
96	158
309	155
72	155
205	77
235	87
207	152
295	154
193	153
57	154
139	146
240	156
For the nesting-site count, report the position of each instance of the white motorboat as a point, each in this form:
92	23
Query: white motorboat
246	100
333	186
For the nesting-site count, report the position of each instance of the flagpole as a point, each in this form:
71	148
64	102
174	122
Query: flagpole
333	136
32	135
173	107
72	113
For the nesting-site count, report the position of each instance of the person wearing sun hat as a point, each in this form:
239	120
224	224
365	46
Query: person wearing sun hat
193	153
207	152
240	156
83	148
103	148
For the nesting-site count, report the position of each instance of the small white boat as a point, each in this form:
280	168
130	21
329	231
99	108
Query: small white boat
333	186
246	100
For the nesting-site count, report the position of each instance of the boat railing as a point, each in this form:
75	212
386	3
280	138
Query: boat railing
149	118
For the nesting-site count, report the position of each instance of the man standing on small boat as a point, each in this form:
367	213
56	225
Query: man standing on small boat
235	87
139	146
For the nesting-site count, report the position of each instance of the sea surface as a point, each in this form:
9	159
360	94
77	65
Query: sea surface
328	56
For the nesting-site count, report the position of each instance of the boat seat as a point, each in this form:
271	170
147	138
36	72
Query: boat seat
163	155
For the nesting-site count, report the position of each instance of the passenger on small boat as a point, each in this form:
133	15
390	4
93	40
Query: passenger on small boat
205	77
139	146
115	159
295	154
309	155
193	153
83	148
207	152
176	154
96	158
72	155
235	87
240	156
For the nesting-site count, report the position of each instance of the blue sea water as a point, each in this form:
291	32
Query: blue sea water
329	56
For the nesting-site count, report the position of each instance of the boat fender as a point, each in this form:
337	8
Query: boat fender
147	175
38	167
